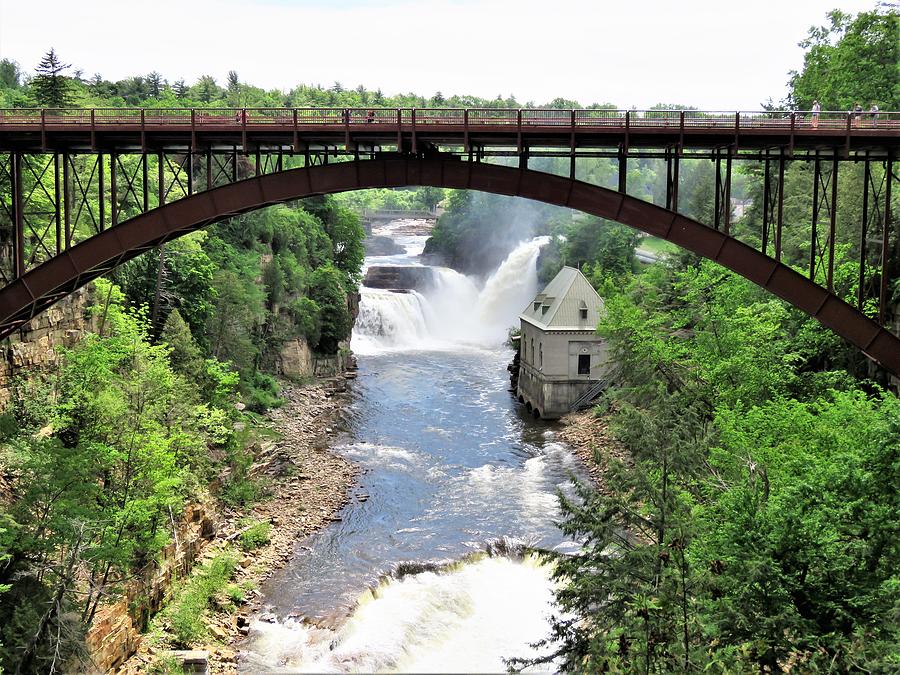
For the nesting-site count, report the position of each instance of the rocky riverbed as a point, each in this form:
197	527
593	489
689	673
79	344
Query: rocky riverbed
308	486
590	438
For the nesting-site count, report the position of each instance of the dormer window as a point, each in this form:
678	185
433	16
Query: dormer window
537	304
583	313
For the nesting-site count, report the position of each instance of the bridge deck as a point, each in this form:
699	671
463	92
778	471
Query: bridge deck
296	128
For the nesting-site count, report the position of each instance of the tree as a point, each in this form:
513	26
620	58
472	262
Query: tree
155	84
51	87
10	74
206	89
853	59
179	88
234	89
327	291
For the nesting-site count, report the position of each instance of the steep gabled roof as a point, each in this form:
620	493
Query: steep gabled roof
559	305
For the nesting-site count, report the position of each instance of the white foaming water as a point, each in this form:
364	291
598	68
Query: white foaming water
467	619
388	319
453	312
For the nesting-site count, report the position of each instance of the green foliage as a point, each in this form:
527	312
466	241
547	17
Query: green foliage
755	525
327	291
51	87
186	612
121	434
851	60
258	534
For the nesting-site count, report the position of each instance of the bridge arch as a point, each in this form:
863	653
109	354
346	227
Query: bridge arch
44	285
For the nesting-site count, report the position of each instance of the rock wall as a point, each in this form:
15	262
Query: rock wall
34	349
116	631
295	360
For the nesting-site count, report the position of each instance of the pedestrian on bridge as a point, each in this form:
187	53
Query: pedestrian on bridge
857	114
816	109
873	111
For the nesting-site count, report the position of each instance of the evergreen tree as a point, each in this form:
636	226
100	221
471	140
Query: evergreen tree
155	84
179	88
51	87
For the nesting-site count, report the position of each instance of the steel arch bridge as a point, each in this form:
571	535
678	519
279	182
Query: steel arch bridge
53	189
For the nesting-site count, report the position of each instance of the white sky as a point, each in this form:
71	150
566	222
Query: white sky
713	54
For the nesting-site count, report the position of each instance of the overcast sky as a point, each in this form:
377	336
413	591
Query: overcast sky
713	54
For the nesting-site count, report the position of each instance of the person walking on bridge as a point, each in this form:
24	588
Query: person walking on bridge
816	109
873	111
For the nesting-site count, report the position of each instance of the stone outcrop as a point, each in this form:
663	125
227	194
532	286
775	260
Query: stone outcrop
35	348
378	245
115	633
399	278
295	360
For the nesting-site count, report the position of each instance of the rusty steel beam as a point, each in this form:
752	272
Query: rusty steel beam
40	287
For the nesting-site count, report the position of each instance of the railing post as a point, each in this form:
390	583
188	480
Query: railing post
296	132
143	133
681	131
466	130
193	130
519	134
93	131
791	141
244	131
43	129
737	130
413	119
627	128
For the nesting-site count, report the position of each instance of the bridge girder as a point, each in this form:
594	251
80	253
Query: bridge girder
34	290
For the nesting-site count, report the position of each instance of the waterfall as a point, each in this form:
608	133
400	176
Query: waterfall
389	319
466	619
451	312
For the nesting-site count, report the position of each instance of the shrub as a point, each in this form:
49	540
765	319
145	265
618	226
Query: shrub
186	614
257	535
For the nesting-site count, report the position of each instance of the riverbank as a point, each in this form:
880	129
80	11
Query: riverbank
591	440
307	485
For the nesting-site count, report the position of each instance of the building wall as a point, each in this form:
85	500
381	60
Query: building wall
548	371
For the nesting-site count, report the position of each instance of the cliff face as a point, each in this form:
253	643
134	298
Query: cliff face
35	349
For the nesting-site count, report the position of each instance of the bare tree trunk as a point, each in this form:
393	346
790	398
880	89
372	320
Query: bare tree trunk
55	606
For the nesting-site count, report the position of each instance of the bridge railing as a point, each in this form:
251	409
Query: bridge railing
541	117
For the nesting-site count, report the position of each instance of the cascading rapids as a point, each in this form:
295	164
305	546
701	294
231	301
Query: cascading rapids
452	311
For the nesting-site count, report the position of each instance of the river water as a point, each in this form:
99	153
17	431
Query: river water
452	467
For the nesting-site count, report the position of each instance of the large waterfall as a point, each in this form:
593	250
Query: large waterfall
453	310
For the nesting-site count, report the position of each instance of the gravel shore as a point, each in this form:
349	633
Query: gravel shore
590	438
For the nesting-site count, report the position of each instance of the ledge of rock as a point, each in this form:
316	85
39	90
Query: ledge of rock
399	278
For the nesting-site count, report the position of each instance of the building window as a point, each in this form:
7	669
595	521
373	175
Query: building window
583	312
532	350
541	354
584	364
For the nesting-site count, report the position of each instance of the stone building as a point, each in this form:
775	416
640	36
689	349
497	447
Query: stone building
561	357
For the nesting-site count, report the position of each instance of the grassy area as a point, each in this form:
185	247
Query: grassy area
656	246
185	613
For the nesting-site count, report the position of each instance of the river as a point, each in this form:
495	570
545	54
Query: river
452	467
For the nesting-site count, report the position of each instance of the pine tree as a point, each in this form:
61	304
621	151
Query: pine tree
155	84
180	88
51	87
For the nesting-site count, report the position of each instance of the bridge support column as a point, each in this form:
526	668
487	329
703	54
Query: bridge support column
623	169
885	239
672	170
18	216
